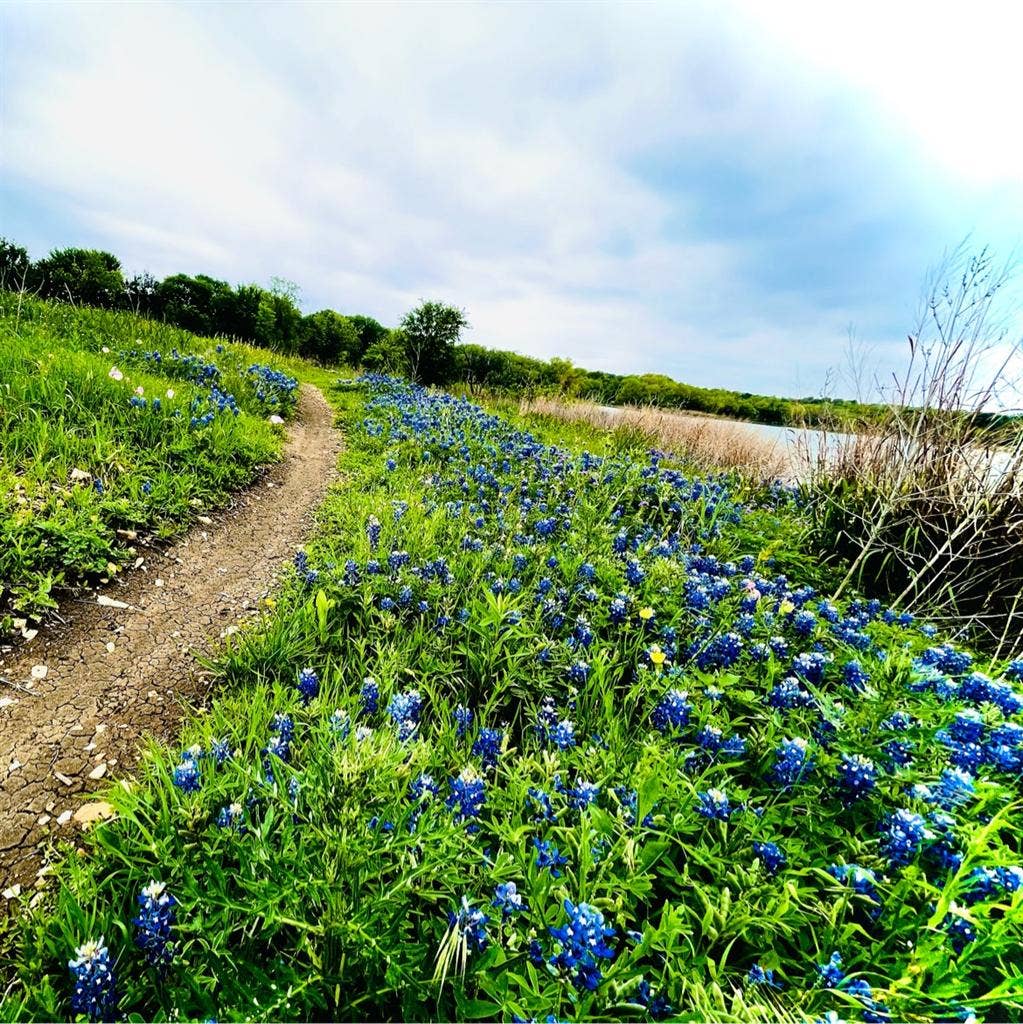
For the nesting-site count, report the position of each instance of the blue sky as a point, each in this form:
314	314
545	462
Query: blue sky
719	191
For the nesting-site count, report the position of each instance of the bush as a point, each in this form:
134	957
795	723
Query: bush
87	277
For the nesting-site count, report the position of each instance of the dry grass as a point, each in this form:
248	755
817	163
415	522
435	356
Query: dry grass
709	443
928	505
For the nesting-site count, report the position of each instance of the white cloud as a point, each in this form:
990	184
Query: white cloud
486	155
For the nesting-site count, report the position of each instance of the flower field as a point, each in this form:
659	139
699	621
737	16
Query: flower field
545	726
107	430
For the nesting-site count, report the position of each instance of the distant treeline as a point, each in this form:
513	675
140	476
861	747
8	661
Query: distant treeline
425	346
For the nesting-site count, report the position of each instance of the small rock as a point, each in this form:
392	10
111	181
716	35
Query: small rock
39	671
159	583
205	520
98	810
63	819
109	602
13	766
65	779
6	702
101	727
29	634
13	892
43	819
99	771
110	646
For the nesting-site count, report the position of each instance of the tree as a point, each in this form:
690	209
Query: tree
140	295
189	302
14	265
389	354
330	338
370	332
87	277
431	331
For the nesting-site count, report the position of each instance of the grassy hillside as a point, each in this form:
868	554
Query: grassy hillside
547	725
110	425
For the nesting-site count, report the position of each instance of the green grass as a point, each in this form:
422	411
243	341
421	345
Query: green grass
332	900
82	469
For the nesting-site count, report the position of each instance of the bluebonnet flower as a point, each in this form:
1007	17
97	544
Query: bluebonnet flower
220	751
902	836
583	940
804	622
617	611
405	709
563	734
508	899
968	726
154	922
284	726
583	794
672	711
790	693
734	746
854	677
543	801
467	797
186	776
463	719
488	746
873	1012
756	975
578	672
656	1005
771	854
340	724
369	696
954	787
709	737
831	973
308	684
232	816
634	572
471	925
422	788
95	986
857	775
549	856
714	804
791	762
961	930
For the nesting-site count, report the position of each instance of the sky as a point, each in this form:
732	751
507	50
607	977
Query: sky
722	192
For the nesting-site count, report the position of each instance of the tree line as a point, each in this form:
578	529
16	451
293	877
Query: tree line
424	346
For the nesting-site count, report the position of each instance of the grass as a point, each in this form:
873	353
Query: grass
701	441
542	656
105	434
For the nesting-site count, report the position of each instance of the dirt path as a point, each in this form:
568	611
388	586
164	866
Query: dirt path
114	674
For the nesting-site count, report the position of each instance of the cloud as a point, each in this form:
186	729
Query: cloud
682	189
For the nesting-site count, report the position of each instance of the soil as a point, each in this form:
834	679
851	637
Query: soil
113	675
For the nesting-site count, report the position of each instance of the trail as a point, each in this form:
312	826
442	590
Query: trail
116	674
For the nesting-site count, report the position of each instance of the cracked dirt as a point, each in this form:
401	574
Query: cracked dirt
113	674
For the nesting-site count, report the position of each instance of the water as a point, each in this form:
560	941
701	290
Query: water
801	448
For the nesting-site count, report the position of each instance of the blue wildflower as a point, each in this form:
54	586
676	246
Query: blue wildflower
508	899
488	746
672	711
771	854
471	925
154	922
549	856
831	973
713	804
583	940
902	835
308	684
95	986
467	797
